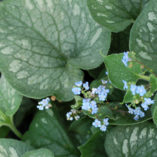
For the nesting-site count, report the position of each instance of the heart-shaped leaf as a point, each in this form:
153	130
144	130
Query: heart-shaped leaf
44	43
132	141
115	15
46	131
39	153
13	148
143	36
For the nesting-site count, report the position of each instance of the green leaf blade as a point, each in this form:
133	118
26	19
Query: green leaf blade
138	140
43	38
10	100
46	131
117	71
13	148
39	153
143	36
115	15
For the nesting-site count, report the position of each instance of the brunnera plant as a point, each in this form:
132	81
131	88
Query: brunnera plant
61	52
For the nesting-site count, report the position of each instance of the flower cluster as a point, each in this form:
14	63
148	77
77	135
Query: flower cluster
147	101
73	114
141	91
44	104
137	112
90	103
90	106
126	59
78	87
102	125
101	91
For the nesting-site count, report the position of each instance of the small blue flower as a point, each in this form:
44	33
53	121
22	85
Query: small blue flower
130	110
104	82
96	123
94	91
69	116
133	89
102	93
125	59
79	83
40	107
147	101
86	85
103	128
106	73
145	106
94	107
86	105
105	121
138	113
76	90
141	90
125	85
44	104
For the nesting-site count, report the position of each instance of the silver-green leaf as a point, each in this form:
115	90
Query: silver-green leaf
13	148
10	100
45	43
143	36
115	15
132	141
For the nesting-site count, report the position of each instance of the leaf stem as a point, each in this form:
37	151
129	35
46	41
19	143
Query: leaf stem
13	128
147	78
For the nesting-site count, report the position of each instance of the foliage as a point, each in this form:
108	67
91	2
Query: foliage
91	62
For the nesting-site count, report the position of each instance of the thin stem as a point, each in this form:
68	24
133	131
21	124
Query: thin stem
147	78
13	128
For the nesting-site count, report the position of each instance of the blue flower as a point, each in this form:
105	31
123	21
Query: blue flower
96	123
86	85
79	83
105	121
141	90
138	113
44	104
104	82
69	116
106	73
103	128
125	85
86	105
130	110
40	107
93	107
76	90
147	101
125	59
133	89
102	93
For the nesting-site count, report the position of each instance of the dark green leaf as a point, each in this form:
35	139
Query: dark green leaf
47	132
94	146
39	153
